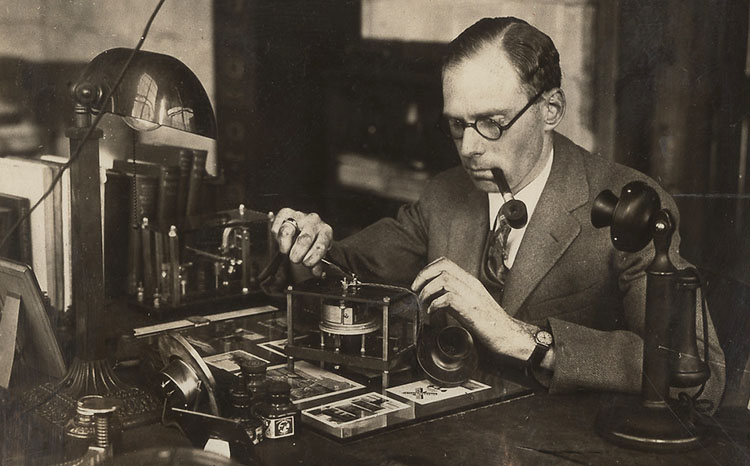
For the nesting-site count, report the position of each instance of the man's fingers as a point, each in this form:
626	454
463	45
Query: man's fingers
282	216
311	244
429	272
285	228
441	302
301	245
432	270
304	237
286	237
320	246
436	287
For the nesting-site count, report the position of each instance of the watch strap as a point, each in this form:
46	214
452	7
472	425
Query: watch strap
541	348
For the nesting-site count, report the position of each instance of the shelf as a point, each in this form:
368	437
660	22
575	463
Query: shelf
383	178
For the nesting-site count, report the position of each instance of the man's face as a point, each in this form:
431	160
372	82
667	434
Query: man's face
486	85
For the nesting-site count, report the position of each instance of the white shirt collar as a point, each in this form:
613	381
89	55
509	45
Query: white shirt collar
530	195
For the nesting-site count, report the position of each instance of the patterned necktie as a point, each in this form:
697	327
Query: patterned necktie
497	252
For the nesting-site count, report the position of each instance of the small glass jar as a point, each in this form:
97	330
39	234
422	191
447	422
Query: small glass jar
240	398
241	407
280	417
256	380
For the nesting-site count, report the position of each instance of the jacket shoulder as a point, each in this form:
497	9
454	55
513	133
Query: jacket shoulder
603	173
448	186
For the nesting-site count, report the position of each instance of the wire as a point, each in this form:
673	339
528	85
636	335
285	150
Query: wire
91	129
706	343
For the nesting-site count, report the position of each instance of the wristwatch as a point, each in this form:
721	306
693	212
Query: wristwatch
544	341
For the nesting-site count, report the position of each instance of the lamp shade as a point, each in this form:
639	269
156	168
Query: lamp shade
156	90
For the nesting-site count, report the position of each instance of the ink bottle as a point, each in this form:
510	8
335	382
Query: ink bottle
240	397
256	381
280	417
241	407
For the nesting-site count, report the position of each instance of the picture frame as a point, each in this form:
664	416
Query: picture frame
24	321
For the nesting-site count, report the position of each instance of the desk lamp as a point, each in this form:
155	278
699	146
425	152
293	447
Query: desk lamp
155	90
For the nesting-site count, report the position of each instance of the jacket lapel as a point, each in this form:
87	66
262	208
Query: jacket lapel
552	227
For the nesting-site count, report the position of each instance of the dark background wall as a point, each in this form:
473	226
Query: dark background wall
296	85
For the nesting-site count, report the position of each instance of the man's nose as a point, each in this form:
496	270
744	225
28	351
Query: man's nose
472	144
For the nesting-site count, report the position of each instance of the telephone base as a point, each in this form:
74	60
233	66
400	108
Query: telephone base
663	427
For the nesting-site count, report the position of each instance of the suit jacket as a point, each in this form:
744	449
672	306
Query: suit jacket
567	274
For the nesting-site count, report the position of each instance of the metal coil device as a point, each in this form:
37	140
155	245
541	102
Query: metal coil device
360	325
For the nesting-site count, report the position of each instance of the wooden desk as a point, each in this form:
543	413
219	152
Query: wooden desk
535	430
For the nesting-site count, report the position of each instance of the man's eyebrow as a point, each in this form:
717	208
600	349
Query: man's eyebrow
476	116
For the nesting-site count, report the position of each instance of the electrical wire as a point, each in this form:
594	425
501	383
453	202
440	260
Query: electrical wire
91	129
706	405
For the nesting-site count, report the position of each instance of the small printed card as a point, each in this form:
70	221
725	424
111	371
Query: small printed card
274	323
229	361
248	334
353	410
425	392
310	382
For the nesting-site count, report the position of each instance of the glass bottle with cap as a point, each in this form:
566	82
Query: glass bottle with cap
256	380
241	407
280	417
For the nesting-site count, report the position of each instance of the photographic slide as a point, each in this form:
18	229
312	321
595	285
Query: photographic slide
310	382
355	409
230	360
425	392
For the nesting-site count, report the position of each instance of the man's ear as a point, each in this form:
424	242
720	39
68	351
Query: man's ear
553	109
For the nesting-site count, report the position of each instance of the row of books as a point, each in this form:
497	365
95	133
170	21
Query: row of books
167	192
166	186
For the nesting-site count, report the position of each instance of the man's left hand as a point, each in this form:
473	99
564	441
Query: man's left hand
445	285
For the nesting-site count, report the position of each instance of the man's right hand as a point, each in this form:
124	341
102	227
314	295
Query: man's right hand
304	237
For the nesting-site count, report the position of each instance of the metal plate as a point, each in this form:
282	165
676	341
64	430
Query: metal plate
175	345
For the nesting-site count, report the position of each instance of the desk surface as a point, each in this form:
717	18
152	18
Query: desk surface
535	430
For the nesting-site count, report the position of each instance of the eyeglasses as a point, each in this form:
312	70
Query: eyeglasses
486	126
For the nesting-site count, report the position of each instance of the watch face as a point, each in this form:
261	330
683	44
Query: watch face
544	338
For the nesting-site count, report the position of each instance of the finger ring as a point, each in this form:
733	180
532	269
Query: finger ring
292	222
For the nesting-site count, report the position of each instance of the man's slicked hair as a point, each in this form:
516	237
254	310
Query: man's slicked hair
531	52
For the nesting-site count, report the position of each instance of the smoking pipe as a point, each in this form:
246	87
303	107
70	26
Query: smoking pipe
513	209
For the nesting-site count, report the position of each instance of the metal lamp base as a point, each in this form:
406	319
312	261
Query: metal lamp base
663	428
56	402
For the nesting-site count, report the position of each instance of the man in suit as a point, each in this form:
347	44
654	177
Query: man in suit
558	297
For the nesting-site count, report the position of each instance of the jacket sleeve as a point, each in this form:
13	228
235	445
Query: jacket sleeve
389	251
587	358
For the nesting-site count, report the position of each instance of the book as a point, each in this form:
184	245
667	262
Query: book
117	230
185	166
18	246
137	166
145	196
142	197
166	205
197	172
49	224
